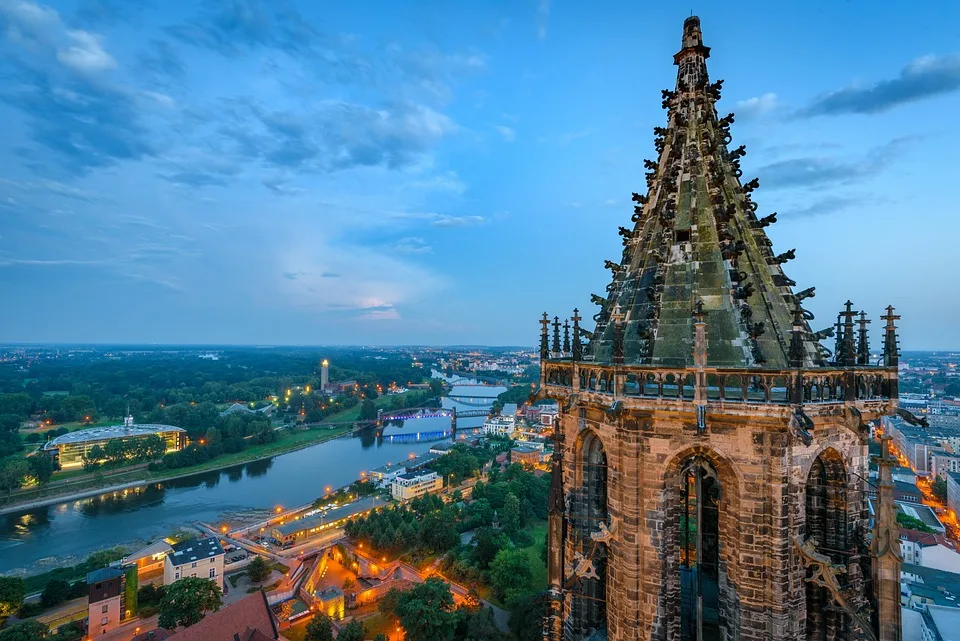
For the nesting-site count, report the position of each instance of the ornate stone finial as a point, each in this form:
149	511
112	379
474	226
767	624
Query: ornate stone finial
618	324
566	337
863	344
796	337
544	348
698	312
577	345
849	349
838	341
556	336
891	353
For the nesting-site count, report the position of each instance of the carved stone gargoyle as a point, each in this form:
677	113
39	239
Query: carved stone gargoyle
639	198
597	300
756	330
823	334
766	221
752	185
612	266
824	573
809	292
800	425
571	402
726	121
743	292
781	280
614	410
739	152
652	165
910	418
780	259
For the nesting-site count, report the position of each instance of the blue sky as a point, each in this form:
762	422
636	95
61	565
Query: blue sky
432	172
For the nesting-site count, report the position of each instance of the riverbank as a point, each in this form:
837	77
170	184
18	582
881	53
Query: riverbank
125	480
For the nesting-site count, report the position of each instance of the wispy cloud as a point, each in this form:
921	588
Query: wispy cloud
543	17
822	207
442	220
811	171
411	245
507	133
925	77
757	106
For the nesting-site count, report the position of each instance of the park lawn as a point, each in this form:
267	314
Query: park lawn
538	530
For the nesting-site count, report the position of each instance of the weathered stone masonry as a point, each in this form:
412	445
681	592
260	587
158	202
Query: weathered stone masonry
707	480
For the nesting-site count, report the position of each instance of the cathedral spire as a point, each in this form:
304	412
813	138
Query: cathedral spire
696	235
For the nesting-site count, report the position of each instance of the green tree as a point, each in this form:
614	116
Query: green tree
477	624
12	594
510	514
510	576
24	631
41	467
186	601
353	631
526	619
380	637
320	629
488	543
426	611
116	450
912	523
96	454
368	410
55	592
258	570
13	471
939	488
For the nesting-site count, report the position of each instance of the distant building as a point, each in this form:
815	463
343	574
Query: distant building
409	486
324	520
953	493
331	602
921	586
924	513
942	463
526	456
70	449
150	558
441	448
907	492
940	623
500	426
107	598
385	474
347	386
249	619
929	550
195	558
324	375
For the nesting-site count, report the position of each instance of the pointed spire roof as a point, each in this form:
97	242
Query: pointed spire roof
696	237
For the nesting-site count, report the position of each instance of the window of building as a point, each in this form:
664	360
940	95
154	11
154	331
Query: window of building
699	552
213	572
176	576
103	609
193	565
103	621
212	560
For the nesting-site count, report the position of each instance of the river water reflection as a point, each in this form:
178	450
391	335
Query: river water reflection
69	531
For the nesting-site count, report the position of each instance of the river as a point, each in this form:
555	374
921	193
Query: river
41	538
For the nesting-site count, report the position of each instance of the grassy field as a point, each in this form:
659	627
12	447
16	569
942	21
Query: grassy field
538	531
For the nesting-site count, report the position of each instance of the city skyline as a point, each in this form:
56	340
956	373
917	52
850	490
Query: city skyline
255	174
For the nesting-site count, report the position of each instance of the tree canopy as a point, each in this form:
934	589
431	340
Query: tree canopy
187	600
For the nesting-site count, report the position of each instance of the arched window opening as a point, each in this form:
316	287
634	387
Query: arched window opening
588	512
699	551
827	526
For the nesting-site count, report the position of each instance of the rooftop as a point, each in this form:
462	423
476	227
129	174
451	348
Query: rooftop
194	550
111	432
412	476
946	620
247	619
103	574
330	516
921	512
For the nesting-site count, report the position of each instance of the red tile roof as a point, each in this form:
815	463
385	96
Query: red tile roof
927	539
249	619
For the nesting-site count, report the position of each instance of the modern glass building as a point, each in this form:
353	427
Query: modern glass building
70	449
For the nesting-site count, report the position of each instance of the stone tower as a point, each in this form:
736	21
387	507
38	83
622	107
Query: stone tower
710	455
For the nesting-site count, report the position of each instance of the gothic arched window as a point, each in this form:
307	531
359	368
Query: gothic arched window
699	551
586	515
